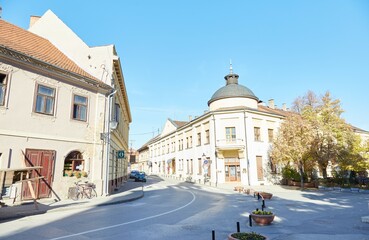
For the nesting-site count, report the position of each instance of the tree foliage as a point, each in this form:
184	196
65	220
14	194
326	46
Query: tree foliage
316	134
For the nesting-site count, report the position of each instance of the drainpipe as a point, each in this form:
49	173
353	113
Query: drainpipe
108	137
215	153
247	150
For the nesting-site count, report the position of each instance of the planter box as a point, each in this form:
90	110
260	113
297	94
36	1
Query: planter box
262	219
266	195
298	184
233	238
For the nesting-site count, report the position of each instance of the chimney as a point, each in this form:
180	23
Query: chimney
190	118
284	107
271	103
33	20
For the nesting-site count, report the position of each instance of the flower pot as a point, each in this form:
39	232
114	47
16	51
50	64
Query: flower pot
255	236
262	219
266	195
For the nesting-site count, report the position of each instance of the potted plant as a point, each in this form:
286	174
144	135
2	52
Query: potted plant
262	217
246	236
265	195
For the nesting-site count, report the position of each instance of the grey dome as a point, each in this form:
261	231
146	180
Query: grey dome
232	90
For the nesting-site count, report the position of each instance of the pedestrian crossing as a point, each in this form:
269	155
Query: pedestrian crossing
182	187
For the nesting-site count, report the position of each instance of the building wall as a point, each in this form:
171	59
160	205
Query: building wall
103	63
240	153
23	128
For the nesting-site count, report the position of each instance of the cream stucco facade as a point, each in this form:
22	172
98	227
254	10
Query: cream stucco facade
88	139
229	143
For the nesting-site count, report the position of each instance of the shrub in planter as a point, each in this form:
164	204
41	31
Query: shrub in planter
78	174
246	236
84	174
262	217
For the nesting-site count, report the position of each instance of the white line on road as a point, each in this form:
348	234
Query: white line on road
126	223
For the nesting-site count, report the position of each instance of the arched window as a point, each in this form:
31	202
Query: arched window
73	163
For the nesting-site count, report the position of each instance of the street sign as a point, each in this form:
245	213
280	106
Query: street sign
120	154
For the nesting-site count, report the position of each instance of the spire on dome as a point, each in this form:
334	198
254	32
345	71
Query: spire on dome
230	67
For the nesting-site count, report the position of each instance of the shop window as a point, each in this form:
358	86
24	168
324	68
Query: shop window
73	164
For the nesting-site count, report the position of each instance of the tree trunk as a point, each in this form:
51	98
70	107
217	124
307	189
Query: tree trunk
324	172
301	167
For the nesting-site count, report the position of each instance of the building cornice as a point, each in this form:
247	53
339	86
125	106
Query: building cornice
16	57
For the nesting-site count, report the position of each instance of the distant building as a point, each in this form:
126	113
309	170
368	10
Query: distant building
229	143
63	106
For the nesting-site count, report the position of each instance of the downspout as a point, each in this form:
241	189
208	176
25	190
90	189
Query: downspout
215	153
246	149
108	137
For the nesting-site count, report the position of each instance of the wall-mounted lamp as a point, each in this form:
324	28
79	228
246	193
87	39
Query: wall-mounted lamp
113	125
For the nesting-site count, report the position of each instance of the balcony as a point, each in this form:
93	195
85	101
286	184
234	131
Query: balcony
227	144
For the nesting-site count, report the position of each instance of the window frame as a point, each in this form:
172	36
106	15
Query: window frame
4	88
73	105
230	136
199	139
44	97
207	136
257	134
270	135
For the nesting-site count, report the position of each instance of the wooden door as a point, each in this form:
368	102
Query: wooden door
259	166
45	159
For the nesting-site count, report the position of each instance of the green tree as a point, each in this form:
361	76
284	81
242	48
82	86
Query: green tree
315	133
290	145
331	134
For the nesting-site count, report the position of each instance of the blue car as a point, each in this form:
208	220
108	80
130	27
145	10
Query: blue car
133	174
140	177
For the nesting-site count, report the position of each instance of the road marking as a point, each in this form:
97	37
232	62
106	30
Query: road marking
126	223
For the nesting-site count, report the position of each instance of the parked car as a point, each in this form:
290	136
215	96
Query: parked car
140	177
133	174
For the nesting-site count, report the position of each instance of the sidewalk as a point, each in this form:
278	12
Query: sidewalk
130	191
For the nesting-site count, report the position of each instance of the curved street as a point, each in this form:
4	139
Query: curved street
172	209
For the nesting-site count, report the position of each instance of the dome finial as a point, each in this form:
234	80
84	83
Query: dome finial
230	67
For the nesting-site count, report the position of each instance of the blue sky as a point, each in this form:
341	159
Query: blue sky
174	54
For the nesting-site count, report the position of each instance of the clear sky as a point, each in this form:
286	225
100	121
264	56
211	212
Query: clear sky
175	53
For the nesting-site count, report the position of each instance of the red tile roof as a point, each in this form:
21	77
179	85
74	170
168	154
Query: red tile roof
180	123
274	111
32	45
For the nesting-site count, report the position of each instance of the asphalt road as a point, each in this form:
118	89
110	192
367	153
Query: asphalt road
185	211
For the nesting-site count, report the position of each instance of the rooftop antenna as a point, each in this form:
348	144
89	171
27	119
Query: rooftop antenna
230	67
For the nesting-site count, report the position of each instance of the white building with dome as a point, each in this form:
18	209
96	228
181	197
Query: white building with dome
228	143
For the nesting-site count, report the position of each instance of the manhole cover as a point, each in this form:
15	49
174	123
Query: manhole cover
190	227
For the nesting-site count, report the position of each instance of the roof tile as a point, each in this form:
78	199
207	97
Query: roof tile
32	45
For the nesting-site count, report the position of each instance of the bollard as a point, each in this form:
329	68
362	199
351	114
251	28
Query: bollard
238	226
250	221
213	235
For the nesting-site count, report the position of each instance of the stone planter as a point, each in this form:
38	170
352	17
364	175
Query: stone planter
257	236
238	189
266	195
298	184
262	219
